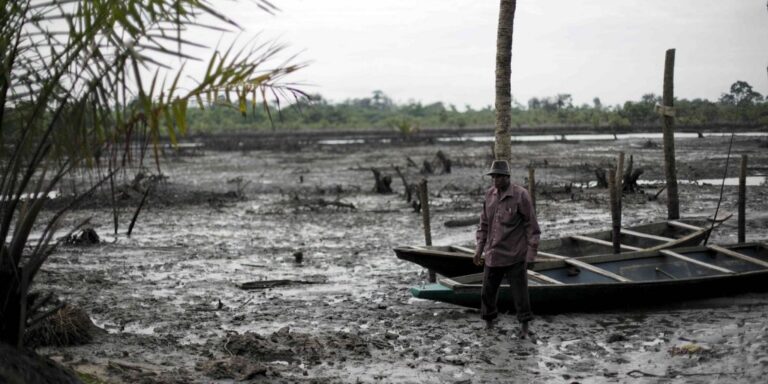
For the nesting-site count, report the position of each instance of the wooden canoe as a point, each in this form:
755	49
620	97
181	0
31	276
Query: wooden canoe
457	260
627	280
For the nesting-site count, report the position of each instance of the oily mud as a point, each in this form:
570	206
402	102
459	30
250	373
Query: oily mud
171	303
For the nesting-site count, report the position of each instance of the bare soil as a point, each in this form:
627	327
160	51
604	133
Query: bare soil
170	301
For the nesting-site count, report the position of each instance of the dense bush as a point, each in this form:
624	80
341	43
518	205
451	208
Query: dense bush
740	105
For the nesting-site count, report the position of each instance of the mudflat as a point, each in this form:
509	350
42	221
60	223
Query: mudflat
172	303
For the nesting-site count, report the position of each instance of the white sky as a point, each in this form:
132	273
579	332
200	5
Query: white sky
444	50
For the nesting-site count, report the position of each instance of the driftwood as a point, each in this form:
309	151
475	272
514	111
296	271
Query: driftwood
314	204
464	222
266	284
383	183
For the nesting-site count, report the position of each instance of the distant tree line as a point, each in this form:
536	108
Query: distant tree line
741	104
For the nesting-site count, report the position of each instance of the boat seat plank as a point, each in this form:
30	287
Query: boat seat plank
694	261
551	255
728	252
604	242
646	235
598	270
539	276
680	224
463	249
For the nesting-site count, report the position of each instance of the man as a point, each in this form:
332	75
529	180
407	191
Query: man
507	240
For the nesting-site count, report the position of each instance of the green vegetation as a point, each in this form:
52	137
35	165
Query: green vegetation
88	378
740	105
82	83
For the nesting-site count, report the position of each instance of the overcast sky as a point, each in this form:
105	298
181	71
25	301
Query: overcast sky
444	50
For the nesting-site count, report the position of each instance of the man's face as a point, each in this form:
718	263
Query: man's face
501	182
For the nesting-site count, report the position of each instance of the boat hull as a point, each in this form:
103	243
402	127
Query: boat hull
590	295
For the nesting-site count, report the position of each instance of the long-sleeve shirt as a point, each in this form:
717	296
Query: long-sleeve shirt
508	232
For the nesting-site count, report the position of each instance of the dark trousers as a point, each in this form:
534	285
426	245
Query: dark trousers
518	282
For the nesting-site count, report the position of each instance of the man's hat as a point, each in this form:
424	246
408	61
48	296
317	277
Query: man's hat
499	167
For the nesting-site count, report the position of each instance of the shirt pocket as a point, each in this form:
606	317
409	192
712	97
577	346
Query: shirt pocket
510	217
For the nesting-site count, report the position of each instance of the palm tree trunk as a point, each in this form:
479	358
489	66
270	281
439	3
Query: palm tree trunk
503	146
11	312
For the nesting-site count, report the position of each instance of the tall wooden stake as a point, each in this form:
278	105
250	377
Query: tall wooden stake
743	199
673	204
424	197
619	183
615	214
112	194
532	185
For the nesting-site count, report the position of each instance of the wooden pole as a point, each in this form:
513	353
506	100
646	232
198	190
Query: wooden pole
743	199
112	194
615	214
673	204
532	185
424	197
620	174
619	184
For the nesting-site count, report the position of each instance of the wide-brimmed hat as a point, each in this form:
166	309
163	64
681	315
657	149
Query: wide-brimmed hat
499	167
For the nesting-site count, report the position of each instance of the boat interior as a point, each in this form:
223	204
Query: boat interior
645	266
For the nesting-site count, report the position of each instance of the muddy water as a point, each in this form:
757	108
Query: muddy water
170	303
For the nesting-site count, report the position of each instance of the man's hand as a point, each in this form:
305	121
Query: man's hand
478	260
530	264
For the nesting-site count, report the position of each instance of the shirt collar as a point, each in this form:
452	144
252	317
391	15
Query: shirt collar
508	193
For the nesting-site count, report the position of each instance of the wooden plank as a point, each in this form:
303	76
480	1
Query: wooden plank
546	278
646	235
448	282
694	261
603	242
728	252
463	249
552	255
598	270
680	224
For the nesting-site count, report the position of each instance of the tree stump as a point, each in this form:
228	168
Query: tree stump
630	181
445	161
427	168
631	176
602	181
406	186
383	183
